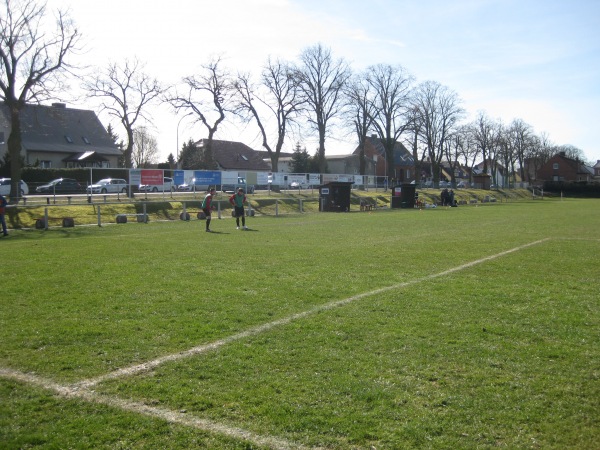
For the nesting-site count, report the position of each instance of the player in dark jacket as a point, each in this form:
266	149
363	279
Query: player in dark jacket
237	201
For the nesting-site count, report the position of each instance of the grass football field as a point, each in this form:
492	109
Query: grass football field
470	327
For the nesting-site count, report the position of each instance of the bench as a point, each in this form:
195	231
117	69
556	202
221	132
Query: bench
141	218
365	206
42	224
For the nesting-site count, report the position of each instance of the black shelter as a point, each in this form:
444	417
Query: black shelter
335	196
403	196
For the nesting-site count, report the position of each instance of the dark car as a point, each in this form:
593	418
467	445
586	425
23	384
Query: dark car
60	186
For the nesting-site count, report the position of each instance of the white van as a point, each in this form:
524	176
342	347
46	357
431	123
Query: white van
167	186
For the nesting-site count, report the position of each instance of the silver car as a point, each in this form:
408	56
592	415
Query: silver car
108	186
5	187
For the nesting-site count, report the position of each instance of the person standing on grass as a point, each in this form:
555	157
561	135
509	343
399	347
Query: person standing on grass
237	201
2	212
207	207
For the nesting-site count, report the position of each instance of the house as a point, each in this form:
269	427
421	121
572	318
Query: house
347	164
562	168
284	162
403	164
230	155
597	169
497	172
59	137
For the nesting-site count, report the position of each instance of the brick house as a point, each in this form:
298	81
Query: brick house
562	168
403	164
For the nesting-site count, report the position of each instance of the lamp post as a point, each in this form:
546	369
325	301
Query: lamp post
178	123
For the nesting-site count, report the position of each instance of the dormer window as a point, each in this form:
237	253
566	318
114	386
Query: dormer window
68	139
86	140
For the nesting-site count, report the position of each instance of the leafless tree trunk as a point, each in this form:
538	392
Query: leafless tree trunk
276	101
32	60
520	135
391	104
483	134
439	112
145	148
208	96
537	154
414	129
359	112
495	150
126	92
455	148
322	80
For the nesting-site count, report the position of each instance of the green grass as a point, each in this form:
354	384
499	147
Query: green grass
502	353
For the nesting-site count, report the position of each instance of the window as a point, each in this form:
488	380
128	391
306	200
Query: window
86	140
46	164
555	166
68	139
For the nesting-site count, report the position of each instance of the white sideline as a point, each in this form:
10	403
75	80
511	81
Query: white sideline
170	416
81	390
268	326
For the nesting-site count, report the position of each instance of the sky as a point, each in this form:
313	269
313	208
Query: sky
534	60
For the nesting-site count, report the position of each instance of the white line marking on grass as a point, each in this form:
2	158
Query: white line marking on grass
170	416
127	371
81	390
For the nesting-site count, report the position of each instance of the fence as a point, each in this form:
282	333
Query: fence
43	212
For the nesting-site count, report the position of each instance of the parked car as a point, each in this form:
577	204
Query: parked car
248	188
5	187
462	185
192	186
60	186
108	186
167	186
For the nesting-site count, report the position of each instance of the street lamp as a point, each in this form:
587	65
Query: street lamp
178	123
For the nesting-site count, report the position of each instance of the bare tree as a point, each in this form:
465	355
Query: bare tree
417	148
484	130
537	154
145	148
33	62
207	96
470	150
126	91
495	150
519	138
572	152
322	79
456	146
275	101
391	103
359	112
439	111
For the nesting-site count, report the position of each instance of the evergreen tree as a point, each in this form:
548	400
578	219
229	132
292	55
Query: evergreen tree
191	157
300	160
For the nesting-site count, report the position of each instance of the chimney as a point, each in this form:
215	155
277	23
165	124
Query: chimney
374	136
563	154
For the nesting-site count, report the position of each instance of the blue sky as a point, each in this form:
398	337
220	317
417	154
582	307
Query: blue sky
535	60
